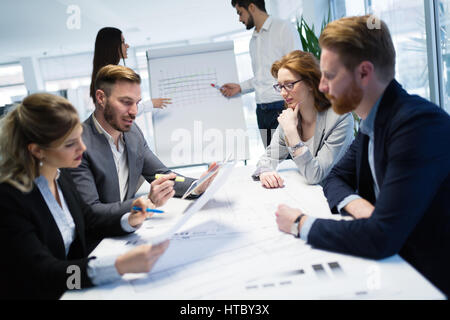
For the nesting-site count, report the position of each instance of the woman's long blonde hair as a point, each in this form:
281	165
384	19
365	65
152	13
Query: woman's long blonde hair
41	118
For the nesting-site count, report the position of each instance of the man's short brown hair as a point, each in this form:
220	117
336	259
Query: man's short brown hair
110	74
361	38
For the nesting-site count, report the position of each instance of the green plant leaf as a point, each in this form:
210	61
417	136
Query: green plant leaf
310	43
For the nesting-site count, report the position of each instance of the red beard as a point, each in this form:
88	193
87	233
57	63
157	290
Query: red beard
349	101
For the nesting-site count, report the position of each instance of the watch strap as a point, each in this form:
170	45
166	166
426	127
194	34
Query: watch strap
297	146
294	228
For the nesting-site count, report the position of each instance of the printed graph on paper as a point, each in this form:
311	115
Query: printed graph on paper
189	87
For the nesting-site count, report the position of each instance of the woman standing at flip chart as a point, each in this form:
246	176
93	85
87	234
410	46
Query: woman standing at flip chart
110	47
309	130
44	224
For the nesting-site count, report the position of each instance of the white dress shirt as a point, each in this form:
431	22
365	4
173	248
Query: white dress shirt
275	39
120	159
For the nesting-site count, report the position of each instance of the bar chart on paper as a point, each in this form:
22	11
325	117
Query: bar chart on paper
186	88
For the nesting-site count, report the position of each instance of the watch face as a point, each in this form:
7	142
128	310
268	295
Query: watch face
294	229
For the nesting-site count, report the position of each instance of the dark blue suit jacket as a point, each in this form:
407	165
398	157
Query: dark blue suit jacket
412	211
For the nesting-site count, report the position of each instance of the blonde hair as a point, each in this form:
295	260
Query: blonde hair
358	39
307	67
108	75
41	118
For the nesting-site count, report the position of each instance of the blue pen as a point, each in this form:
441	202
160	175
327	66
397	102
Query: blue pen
148	210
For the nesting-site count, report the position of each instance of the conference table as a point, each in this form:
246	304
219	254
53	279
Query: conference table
233	249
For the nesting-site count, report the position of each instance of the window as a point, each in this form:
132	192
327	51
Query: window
410	23
12	87
342	8
406	21
444	22
70	76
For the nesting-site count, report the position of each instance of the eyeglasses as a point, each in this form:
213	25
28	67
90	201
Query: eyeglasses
288	86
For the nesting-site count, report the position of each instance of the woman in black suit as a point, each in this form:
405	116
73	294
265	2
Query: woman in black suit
43	221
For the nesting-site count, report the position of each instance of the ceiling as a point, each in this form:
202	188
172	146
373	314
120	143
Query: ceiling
40	27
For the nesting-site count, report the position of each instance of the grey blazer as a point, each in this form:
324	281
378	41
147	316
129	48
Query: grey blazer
96	177
332	137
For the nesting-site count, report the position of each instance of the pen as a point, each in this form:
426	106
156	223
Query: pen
177	179
148	210
216	86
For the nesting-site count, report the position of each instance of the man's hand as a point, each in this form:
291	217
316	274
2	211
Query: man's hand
286	217
360	209
206	184
230	89
271	180
162	189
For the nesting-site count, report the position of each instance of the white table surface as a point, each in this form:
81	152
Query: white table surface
232	249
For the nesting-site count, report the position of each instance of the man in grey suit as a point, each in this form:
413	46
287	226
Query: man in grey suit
117	153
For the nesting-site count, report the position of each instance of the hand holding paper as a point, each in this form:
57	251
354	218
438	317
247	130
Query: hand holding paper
212	167
199	186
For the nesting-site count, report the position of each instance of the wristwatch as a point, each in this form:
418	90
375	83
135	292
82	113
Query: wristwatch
294	228
294	148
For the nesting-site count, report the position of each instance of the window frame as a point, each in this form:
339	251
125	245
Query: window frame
434	51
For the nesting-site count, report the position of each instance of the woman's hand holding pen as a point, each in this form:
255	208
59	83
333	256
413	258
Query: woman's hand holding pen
136	217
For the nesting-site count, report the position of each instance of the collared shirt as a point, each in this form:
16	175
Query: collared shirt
275	39
100	270
61	214
120	158
367	128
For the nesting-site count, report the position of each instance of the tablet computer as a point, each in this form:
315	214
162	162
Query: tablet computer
194	186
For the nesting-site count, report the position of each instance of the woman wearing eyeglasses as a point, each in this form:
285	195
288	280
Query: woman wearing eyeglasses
309	130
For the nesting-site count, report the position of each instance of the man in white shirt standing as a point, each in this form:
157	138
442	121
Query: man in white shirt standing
272	39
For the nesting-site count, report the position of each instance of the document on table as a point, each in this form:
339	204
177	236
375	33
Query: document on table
232	249
197	204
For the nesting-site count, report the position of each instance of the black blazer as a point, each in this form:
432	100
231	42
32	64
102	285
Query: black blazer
412	212
34	264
